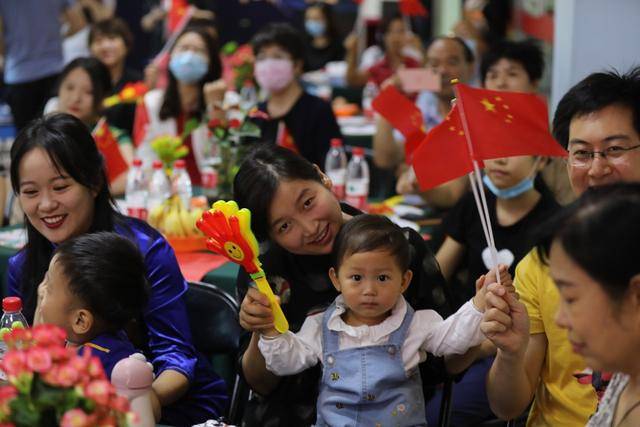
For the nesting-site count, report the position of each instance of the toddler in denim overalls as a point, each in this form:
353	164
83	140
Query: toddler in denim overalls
370	341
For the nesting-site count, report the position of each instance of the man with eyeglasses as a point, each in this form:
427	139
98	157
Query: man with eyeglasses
598	121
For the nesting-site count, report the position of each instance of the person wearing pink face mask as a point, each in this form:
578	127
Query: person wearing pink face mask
297	120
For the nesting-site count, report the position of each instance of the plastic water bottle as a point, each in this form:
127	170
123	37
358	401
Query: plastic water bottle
181	183
335	166
357	179
369	93
159	186
11	318
136	191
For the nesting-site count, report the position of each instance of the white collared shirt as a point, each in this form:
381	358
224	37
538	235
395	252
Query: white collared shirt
290	353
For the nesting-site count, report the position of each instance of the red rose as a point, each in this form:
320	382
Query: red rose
234	124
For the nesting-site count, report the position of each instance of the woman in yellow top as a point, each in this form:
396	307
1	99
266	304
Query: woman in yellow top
597	122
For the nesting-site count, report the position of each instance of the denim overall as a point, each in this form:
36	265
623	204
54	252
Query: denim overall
368	386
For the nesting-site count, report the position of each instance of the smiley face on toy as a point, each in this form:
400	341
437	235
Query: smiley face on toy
234	251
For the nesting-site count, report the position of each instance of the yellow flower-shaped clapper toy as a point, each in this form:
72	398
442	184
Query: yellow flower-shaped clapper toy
228	231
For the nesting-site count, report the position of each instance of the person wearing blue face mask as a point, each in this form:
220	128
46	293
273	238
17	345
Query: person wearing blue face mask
516	206
195	87
323	44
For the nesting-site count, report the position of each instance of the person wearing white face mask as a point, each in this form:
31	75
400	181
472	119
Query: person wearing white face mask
323	44
194	88
297	120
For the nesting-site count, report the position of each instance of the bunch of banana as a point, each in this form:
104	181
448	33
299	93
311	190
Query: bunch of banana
174	220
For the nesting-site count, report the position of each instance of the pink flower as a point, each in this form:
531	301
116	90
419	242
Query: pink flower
38	360
95	369
99	391
119	403
49	335
258	114
66	376
14	363
7	392
74	418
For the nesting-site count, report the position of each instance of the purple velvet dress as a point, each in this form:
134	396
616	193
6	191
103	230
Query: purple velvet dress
169	336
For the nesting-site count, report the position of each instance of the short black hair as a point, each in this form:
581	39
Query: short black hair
595	92
283	35
259	176
527	53
469	57
366	233
601	233
107	272
112	27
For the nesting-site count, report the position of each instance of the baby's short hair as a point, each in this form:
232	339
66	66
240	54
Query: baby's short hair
106	272
365	233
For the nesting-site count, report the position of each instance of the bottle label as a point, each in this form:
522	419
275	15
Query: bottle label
209	179
339	191
358	202
338	178
140	213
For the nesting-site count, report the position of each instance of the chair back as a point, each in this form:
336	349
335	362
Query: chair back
213	316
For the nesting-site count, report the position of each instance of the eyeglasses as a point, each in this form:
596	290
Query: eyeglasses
613	154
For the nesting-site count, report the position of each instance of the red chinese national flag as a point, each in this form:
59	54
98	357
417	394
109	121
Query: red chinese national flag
140	123
505	124
108	146
175	14
443	155
412	8
403	115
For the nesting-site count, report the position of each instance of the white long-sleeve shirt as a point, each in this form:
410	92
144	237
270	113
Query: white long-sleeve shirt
290	353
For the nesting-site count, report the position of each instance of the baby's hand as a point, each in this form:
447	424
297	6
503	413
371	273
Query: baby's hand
479	300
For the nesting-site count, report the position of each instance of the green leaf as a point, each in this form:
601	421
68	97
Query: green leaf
229	47
249	128
24	413
189	126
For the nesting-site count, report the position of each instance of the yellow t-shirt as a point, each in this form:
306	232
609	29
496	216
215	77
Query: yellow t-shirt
559	399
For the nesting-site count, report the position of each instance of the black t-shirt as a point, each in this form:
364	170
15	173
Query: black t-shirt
310	123
304	287
317	58
513	242
122	115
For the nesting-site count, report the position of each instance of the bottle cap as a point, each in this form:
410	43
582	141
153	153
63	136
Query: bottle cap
358	151
11	304
336	142
180	164
157	164
137	162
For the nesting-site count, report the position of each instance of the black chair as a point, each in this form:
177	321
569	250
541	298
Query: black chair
213	316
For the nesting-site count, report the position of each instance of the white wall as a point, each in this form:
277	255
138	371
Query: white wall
591	36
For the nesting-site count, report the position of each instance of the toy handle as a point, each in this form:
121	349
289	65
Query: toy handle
279	321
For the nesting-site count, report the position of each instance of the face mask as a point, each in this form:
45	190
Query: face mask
274	74
188	67
315	28
511	192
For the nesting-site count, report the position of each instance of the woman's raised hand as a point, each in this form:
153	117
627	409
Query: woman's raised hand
255	312
213	93
505	322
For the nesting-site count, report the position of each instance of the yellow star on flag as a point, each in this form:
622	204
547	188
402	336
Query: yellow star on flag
488	106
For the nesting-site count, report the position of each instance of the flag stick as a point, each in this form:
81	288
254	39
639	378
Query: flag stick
476	185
